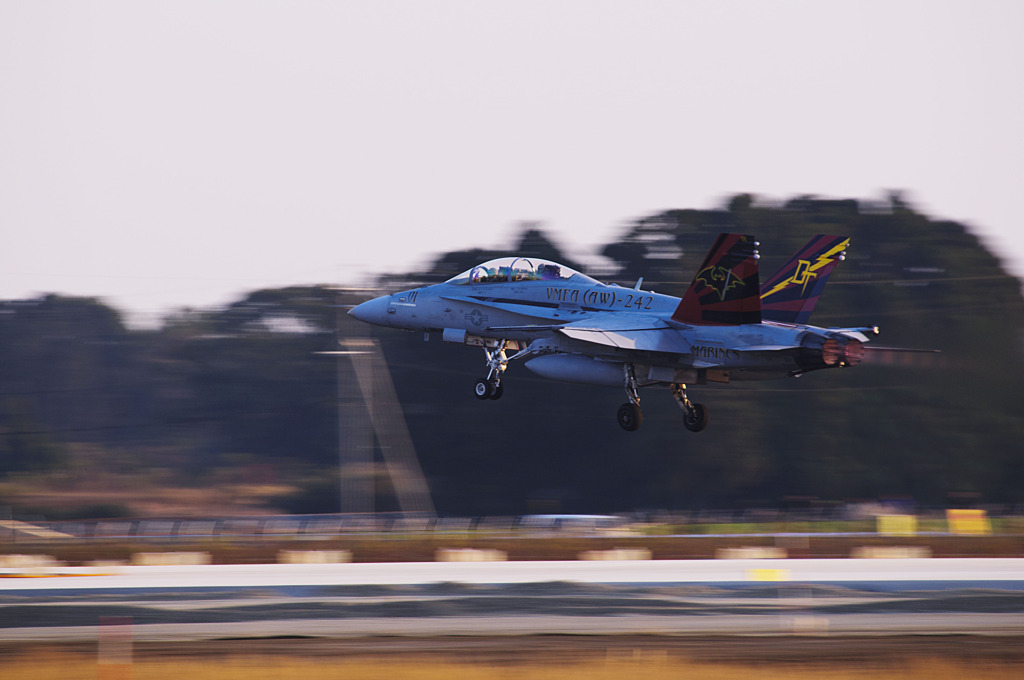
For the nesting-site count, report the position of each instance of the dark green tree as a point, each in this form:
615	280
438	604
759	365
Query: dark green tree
246	386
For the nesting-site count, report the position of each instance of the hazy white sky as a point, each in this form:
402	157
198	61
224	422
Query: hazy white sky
168	154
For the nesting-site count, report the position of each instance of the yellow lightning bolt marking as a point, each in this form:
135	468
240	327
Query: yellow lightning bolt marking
803	275
805	270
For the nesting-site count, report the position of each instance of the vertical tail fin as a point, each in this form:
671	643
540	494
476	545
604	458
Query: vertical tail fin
789	295
725	291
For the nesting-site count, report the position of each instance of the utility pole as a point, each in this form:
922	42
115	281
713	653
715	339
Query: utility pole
369	411
388	422
355	436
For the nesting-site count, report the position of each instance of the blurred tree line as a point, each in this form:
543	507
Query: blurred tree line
249	388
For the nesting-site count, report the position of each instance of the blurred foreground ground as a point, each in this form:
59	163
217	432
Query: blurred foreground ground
799	646
549	657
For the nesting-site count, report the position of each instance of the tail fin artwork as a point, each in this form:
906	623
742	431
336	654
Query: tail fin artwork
725	291
789	295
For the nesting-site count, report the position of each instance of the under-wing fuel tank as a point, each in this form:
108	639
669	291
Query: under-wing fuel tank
577	368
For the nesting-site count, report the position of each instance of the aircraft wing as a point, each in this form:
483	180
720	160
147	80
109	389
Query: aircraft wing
628	331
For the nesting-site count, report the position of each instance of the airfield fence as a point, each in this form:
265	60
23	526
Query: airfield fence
809	520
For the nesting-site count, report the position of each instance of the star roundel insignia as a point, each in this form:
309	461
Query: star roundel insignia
477	318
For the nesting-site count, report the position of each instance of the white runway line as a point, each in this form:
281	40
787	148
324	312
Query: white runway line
420	573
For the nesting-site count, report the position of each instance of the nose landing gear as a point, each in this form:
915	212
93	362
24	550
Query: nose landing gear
490	387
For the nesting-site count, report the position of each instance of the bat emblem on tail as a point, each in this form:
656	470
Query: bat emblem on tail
719	279
726	289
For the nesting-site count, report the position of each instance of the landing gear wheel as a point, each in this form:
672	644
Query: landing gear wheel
482	389
630	417
696	419
497	391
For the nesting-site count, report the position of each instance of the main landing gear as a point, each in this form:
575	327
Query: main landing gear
630	417
497	361
695	416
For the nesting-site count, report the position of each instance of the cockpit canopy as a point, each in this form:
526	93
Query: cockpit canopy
511	269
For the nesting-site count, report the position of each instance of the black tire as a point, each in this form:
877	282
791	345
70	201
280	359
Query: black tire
630	417
697	418
482	389
497	391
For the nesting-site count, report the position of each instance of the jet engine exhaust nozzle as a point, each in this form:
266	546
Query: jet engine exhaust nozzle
832	351
837	353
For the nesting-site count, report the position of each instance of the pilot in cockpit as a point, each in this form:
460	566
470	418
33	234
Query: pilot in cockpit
549	272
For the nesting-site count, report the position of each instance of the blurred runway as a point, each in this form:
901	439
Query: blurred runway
965	570
665	597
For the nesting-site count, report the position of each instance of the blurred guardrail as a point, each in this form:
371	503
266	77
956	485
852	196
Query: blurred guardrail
840	520
312	526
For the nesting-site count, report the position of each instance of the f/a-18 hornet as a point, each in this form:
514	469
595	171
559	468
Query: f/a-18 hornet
568	326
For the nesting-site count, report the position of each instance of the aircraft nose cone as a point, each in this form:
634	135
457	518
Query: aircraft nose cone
373	311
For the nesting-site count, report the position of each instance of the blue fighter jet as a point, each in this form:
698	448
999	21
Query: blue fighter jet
568	326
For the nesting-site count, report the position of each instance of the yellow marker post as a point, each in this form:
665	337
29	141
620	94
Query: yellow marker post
896	525
969	522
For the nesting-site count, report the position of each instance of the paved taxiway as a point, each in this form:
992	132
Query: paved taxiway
691	597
